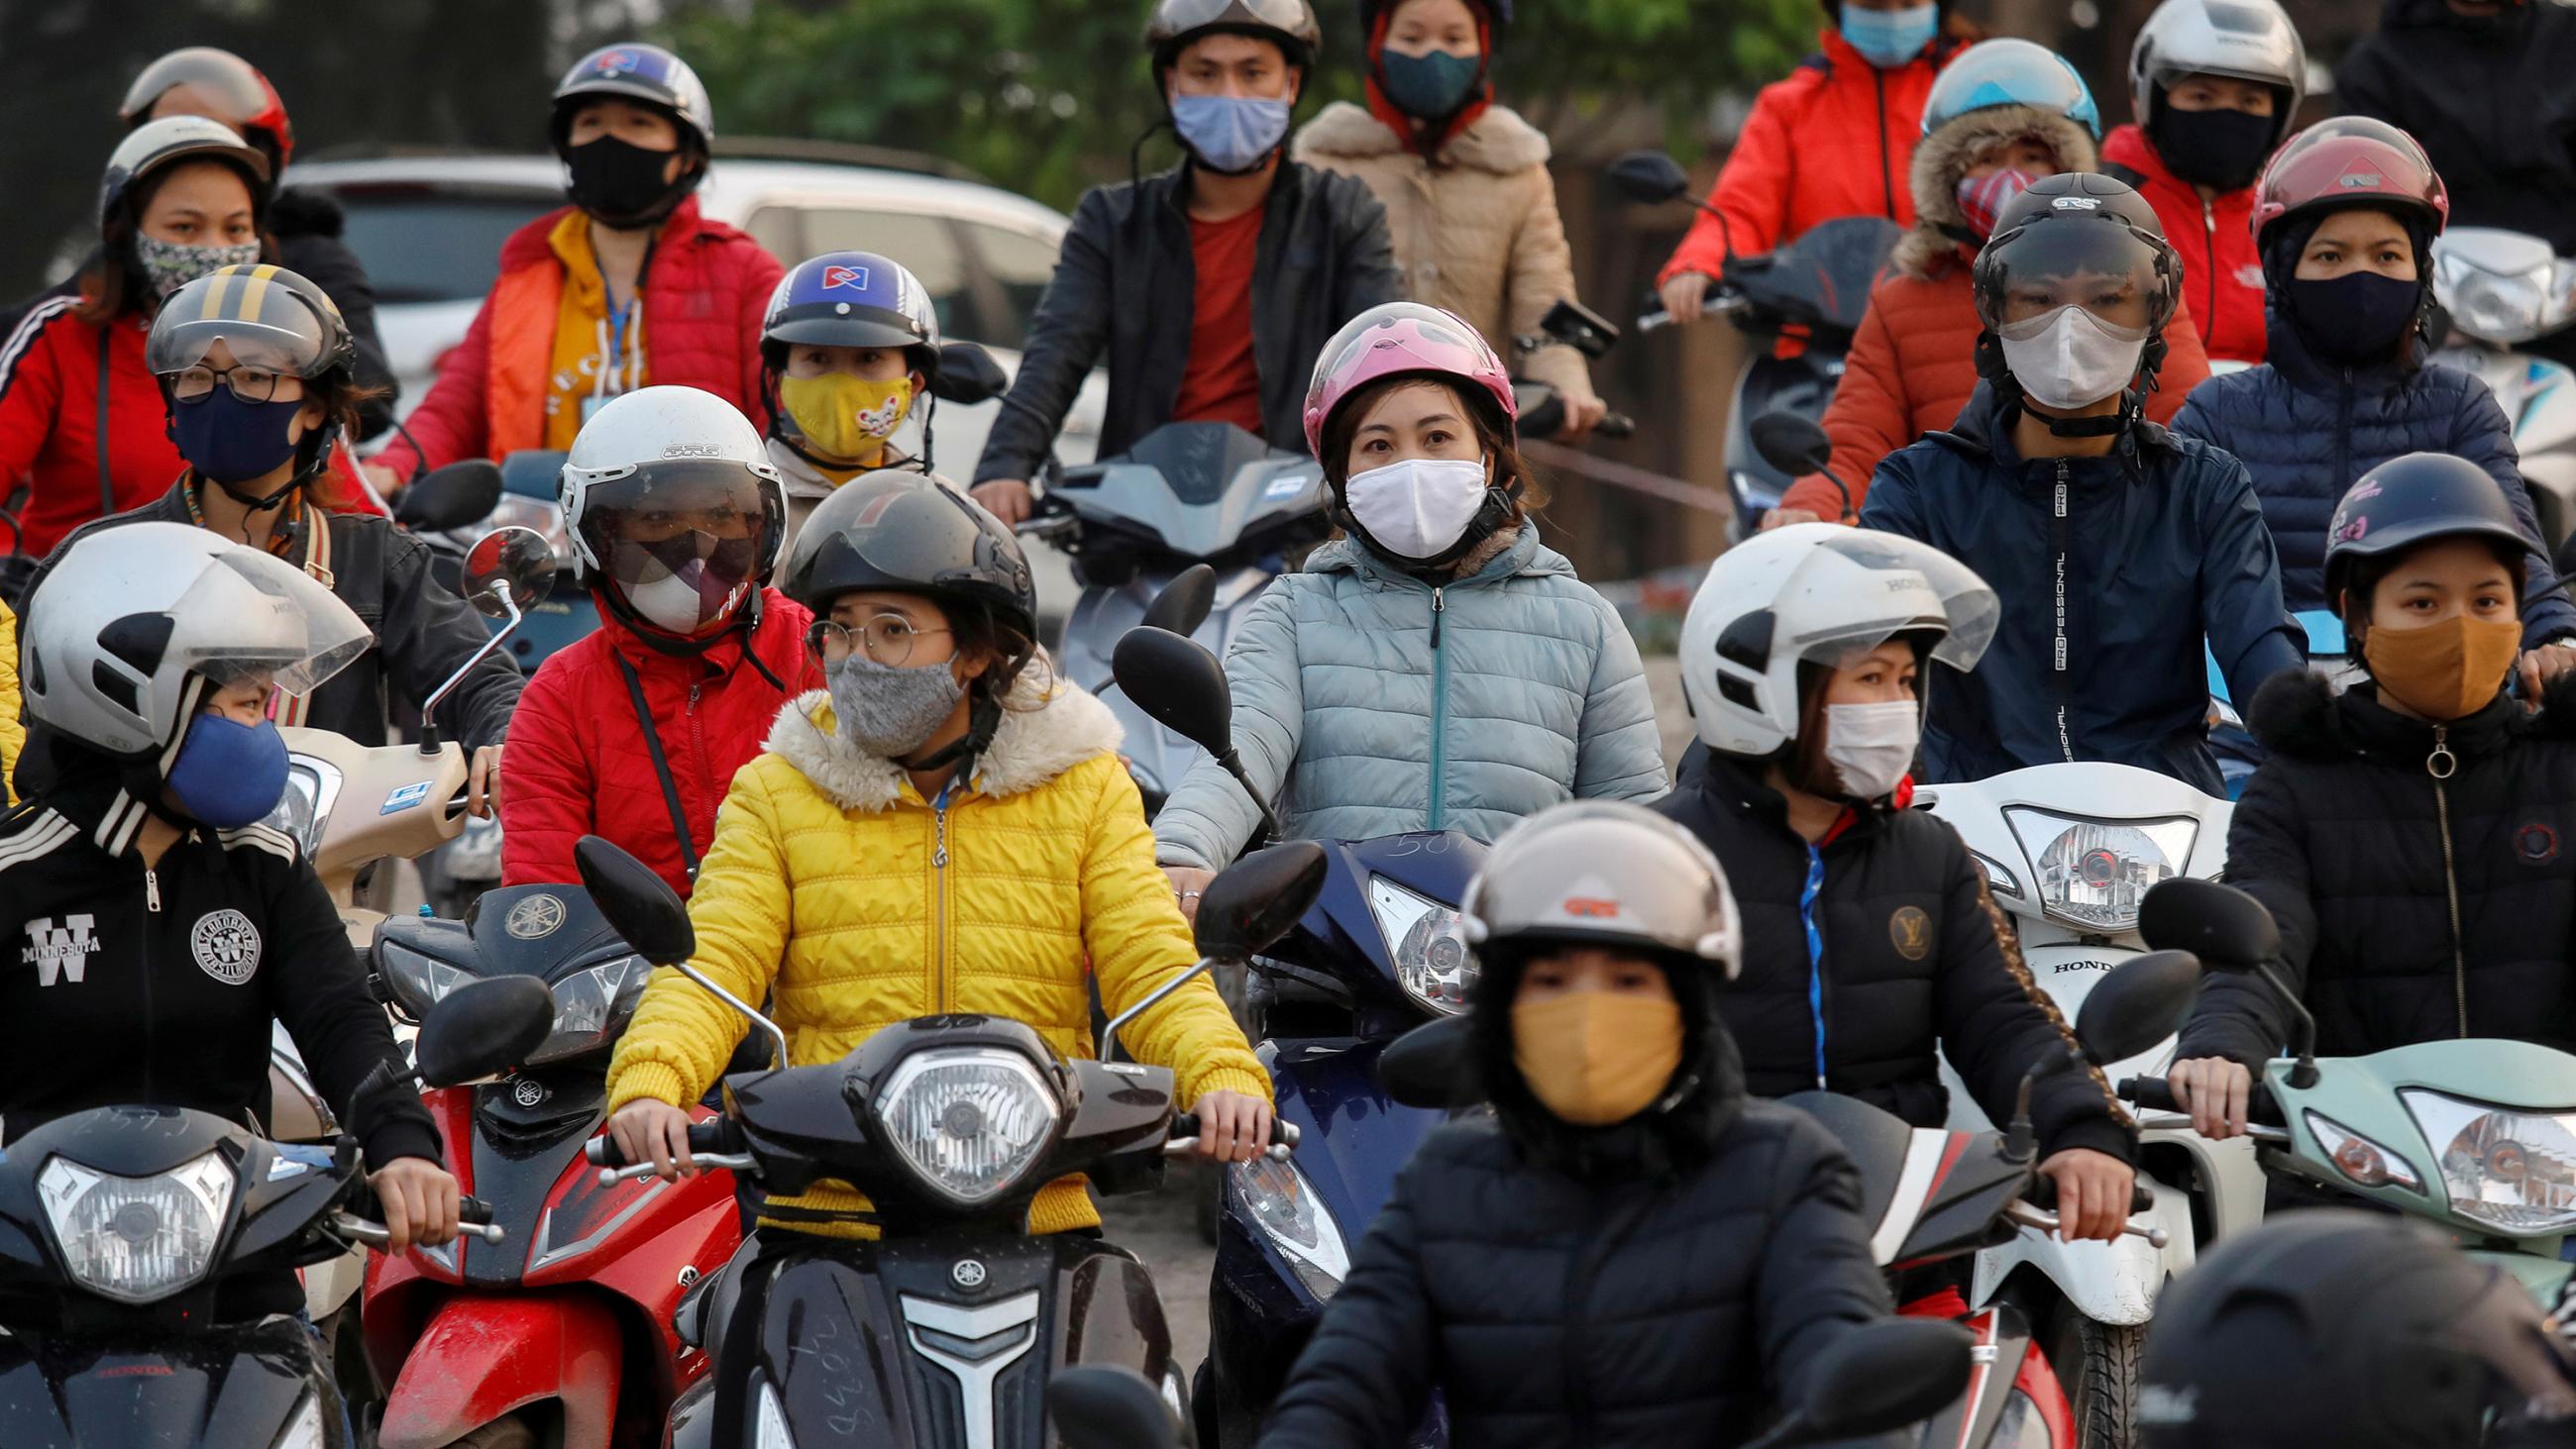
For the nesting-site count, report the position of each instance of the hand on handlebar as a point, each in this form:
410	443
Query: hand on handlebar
656	1132
483	783
420	1202
1684	296
1583	412
2093	1190
1233	1126
2216	1091
1007	499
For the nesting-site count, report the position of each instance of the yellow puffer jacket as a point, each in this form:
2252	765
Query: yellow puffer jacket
835	886
13	735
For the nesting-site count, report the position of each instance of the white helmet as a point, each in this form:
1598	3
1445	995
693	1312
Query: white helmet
130	619
654	444
1816	593
2249	40
1605	873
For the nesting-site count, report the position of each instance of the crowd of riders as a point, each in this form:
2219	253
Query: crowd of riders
818	688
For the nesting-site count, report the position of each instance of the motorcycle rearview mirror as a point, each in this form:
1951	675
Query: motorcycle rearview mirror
1184	603
507	572
1180	685
483	1028
968	375
1876	1378
1109	1406
1430	1067
1579	327
647	914
1254	902
1796	445
450	497
2143	1001
1650	177
2230	931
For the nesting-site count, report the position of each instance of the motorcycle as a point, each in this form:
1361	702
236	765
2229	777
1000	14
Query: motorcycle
1381	951
2474	1137
1538	410
1812	292
946	1328
123	1228
2501	289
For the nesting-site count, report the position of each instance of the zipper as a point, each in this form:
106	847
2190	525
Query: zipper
152	900
152	890
1815	954
1886	173
2441	764
1439	712
939	898
2059	531
2209	226
2343	425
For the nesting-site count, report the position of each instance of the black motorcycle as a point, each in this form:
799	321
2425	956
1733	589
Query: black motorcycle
946	1329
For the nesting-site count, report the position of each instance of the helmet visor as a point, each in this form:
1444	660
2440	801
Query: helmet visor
221	85
2101	266
262	322
687	535
1968	614
251	615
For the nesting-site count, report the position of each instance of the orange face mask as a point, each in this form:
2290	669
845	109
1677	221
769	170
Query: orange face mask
1597	1057
2443	671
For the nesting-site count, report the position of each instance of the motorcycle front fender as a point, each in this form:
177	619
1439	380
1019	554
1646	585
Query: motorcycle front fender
232	1385
485	1354
2114	1282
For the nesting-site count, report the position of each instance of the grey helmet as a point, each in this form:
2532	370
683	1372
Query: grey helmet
2251	40
1605	873
1289	23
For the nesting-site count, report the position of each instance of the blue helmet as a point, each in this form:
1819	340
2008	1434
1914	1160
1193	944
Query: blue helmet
2010	73
851	299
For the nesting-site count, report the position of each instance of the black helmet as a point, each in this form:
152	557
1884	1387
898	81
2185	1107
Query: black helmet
2343	1327
904	532
1290	24
2073	224
2414	499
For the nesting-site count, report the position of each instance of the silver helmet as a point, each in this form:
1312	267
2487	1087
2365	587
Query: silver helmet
2250	40
1605	873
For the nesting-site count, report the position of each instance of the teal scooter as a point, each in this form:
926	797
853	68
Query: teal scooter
2476	1137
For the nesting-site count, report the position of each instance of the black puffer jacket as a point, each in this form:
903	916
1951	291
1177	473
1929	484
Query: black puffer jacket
2341	834
1915	958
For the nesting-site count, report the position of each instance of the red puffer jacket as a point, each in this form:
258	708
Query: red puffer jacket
49	417
2222	274
704	293
577	763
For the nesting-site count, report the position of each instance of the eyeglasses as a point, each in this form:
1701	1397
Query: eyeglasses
250	384
888	639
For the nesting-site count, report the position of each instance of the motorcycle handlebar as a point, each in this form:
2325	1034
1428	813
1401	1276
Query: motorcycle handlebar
1616	425
715	1137
2042	1193
2156	1095
1184	1135
473	1216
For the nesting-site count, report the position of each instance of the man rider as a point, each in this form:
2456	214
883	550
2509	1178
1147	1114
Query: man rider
1279	256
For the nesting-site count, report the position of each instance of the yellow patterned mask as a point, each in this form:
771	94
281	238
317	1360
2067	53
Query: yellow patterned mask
846	418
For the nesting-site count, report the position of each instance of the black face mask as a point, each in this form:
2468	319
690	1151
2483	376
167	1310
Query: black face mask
621	184
2222	150
2359	317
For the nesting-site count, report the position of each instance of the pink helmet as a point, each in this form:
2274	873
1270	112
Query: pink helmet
2347	161
1397	338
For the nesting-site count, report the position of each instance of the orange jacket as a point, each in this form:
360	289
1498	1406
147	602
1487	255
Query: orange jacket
1913	365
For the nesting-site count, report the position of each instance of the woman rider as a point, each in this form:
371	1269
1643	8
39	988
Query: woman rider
1869	936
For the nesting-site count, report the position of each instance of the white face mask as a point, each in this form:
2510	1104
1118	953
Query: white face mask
1419	508
2070	358
1870	745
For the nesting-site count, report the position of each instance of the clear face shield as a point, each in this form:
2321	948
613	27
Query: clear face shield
251	616
1944	598
682	541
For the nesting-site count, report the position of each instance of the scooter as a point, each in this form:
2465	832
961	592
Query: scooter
1811	294
2474	1137
561	1336
1537	409
2501	289
946	1328
1381	951
121	1231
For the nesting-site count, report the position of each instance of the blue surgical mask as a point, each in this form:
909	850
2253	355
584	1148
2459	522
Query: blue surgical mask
231	441
1891	38
229	774
1230	134
1431	86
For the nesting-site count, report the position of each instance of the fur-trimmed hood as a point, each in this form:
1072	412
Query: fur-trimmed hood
1498	141
1944	156
1044	732
2297	713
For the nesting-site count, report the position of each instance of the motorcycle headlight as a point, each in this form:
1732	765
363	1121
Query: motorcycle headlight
2368	1163
312	786
2511	1170
592	1007
1283	1204
970	1121
136	1239
1432	962
2496	307
2091	874
304	1431
543	515
415	981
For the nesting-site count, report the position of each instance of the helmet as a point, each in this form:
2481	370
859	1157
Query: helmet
1289	23
269	317
234	93
2414	499
671	446
1604	873
2010	73
2073	224
131	618
2349	161
2344	1327
632	70
155	144
1497	15
1816	593
1395	338
907	533
851	299
2249	40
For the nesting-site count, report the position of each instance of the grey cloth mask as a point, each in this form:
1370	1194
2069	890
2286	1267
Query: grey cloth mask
888	712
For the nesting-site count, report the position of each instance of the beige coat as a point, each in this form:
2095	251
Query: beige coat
1476	230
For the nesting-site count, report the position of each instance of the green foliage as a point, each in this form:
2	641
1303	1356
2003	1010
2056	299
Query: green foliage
1047	96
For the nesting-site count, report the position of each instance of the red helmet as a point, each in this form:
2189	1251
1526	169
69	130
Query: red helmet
1395	338
234	92
2349	160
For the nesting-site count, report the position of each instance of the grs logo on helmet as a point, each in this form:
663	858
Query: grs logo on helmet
840	276
693	450
2076	203
616	62
2359	180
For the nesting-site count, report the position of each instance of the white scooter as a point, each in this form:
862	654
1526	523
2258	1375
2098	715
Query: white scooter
2068	851
2500	290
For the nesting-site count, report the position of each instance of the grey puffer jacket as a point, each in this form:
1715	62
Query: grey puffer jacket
1384	705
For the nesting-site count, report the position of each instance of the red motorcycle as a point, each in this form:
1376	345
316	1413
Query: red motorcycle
562	1333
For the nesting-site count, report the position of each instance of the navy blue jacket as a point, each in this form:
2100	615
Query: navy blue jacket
2110	571
2306	429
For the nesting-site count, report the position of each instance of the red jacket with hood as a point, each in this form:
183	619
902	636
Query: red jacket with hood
577	763
2222	274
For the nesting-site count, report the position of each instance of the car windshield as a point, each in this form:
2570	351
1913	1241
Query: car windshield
424	245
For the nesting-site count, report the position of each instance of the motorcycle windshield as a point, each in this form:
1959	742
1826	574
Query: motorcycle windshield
1196	489
1822	280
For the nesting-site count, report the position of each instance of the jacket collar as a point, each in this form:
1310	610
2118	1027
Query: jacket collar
1735	783
1042	735
1524	555
1497	141
1984	429
2297	713
534	242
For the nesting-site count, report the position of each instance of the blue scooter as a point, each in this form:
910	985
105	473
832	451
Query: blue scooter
1380	952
